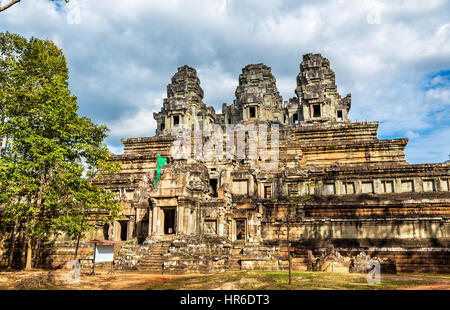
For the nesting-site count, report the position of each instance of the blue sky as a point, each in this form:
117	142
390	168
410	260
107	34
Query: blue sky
393	56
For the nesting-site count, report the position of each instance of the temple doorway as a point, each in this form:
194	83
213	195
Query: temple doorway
169	221
213	183
123	230
240	229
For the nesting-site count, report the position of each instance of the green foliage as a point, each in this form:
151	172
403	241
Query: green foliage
48	151
301	280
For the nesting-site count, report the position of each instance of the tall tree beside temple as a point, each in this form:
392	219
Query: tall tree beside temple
48	150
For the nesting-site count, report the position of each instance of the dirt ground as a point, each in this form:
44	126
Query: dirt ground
60	279
235	280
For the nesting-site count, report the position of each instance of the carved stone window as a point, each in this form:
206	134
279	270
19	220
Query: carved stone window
367	187
129	193
210	226
349	187
388	186
240	187
293	189
329	189
407	186
445	185
267	191
428	186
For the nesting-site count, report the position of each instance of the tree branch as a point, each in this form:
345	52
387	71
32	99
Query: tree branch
7	6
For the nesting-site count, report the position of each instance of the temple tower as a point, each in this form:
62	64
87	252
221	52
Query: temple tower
317	92
257	97
183	105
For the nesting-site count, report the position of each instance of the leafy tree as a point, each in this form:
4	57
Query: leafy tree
48	151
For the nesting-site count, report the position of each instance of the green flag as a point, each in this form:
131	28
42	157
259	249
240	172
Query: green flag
161	161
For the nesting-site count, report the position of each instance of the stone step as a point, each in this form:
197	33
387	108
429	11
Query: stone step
159	248
151	270
159	251
154	266
160	243
153	257
151	261
155	254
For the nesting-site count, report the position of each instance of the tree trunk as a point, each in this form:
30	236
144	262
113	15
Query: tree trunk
12	246
25	240
76	248
29	254
23	250
36	254
2	240
1	136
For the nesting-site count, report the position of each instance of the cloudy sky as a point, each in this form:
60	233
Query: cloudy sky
393	56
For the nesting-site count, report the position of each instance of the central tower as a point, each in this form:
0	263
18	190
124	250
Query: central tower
317	91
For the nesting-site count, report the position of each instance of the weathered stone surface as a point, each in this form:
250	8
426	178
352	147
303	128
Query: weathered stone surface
362	264
183	104
330	261
217	214
257	97
317	91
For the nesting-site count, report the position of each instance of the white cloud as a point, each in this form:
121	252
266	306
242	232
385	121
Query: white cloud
430	148
139	124
123	53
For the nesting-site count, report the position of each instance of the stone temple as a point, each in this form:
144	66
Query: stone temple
339	193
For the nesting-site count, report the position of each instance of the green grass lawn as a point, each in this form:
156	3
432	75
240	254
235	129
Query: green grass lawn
302	280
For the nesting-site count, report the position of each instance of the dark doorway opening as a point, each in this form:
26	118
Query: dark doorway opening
176	120
213	183
339	114
106	232
316	110
252	112
123	230
163	126
295	118
240	229
169	221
